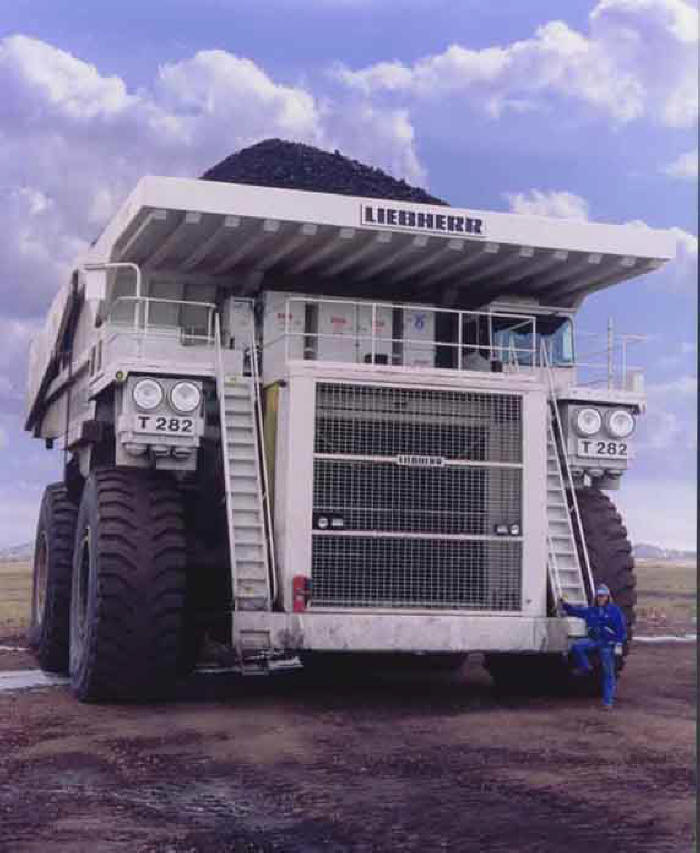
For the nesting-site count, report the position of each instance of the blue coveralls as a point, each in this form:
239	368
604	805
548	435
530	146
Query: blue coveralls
606	627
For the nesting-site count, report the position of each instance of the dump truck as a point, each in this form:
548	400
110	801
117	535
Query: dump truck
329	427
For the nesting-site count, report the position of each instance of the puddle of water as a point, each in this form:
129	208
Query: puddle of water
28	679
668	638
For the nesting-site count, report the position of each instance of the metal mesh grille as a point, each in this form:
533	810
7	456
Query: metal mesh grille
438	468
361	420
391	572
390	497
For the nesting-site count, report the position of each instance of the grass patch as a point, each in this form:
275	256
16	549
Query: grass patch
666	595
15	596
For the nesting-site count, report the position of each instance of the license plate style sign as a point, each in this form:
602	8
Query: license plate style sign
164	424
603	449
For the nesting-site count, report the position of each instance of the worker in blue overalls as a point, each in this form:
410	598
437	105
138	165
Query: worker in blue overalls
606	634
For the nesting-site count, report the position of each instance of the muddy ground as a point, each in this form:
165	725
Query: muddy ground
400	764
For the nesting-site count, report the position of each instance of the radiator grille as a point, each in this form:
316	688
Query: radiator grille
385	496
409	485
405	572
362	421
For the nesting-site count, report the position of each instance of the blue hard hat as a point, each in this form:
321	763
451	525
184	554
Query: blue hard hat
602	589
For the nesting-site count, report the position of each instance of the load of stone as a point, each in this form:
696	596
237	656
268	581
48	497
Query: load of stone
291	165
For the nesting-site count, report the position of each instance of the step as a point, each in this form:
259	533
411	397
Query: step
243	453
566	557
239	420
245	503
253	602
251	583
250	564
243	526
247	550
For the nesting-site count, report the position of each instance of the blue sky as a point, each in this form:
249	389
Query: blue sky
578	109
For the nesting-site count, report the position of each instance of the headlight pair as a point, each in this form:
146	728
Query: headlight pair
184	397
618	422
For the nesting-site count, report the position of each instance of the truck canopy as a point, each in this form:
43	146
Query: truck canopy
246	238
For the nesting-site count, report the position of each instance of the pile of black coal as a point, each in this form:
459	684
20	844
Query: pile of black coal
291	165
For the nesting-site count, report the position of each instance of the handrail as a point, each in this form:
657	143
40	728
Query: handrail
261	449
147	300
559	432
220	390
417	342
523	321
115	265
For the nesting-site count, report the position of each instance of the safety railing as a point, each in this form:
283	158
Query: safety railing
603	361
148	315
342	330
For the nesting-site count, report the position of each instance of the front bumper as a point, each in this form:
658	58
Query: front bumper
342	631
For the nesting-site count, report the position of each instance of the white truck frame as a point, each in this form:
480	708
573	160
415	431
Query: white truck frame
297	483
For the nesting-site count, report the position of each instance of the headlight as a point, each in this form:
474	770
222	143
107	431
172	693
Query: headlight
147	394
588	421
619	423
185	397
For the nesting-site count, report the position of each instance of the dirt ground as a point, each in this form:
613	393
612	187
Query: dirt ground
416	763
419	763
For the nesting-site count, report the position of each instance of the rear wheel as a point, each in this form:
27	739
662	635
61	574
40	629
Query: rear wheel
128	586
51	588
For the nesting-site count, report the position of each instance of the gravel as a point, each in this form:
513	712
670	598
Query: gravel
291	165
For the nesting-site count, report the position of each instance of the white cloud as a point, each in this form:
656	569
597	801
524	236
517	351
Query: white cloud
684	166
74	142
557	203
42	82
607	69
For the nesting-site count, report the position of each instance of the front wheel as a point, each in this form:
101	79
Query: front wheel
610	556
128	588
609	551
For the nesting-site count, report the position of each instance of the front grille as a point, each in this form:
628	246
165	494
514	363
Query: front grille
409	486
361	571
384	496
366	421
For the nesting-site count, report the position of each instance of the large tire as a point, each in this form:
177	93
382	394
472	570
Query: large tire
128	587
609	551
51	587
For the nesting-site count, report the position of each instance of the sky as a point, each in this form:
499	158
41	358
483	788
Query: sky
585	110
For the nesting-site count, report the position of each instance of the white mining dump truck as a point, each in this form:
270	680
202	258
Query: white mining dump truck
326	426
